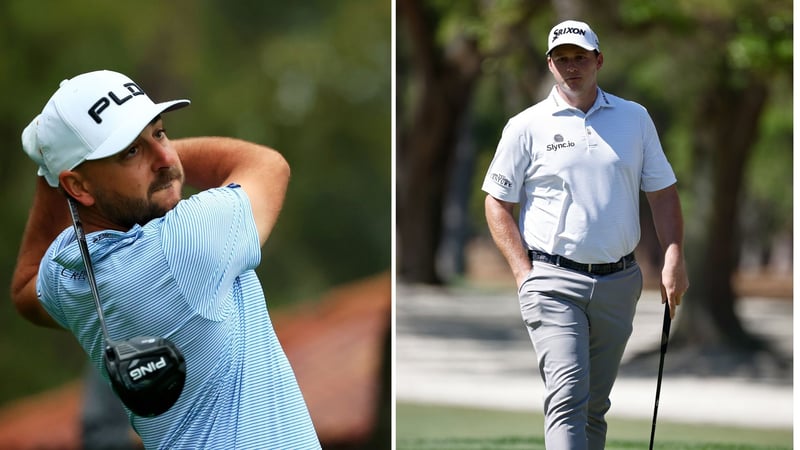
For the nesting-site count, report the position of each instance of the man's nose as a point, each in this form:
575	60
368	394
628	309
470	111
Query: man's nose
163	156
572	66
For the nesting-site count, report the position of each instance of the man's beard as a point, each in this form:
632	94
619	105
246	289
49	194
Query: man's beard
128	211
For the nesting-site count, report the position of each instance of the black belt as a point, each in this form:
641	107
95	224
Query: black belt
594	269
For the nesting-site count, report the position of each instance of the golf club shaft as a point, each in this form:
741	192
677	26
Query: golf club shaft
87	262
664	341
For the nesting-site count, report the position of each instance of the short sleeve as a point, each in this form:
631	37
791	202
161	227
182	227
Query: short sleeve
209	240
657	172
45	289
506	173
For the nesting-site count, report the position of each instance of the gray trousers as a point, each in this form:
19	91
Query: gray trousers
579	325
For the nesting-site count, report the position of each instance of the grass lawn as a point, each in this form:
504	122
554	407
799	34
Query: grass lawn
427	427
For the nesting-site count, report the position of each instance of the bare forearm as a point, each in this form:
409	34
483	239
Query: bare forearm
668	219
506	235
48	217
262	172
210	162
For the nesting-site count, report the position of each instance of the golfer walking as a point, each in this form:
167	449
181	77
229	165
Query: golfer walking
575	163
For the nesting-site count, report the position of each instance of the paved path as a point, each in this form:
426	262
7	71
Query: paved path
467	347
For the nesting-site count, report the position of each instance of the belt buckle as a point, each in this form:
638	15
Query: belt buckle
589	268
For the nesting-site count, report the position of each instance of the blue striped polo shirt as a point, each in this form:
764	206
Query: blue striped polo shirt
188	276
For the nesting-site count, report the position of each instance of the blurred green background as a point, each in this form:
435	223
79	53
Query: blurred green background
311	79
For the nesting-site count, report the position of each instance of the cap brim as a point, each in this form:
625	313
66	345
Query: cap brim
579	44
137	121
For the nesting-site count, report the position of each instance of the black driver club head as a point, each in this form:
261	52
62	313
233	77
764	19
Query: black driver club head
147	373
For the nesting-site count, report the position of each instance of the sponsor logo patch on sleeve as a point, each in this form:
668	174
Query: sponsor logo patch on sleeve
501	180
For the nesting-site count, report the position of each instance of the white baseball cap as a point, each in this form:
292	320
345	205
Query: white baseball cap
90	116
572	32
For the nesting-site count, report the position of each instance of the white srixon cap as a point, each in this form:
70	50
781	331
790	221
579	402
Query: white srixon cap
572	32
90	116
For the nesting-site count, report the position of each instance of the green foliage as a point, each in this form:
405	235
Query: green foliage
637	12
763	41
487	23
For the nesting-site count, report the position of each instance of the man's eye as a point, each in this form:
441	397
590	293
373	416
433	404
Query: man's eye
161	133
131	152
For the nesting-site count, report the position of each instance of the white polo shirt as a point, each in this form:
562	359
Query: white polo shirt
578	176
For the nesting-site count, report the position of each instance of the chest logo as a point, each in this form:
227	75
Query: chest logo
559	144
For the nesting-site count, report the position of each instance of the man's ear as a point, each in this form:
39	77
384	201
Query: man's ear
76	187
599	60
551	65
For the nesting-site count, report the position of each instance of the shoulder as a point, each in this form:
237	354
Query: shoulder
224	213
221	201
545	107
232	193
624	105
50	267
521	122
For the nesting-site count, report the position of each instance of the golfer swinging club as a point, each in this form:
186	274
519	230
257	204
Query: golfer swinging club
575	162
164	266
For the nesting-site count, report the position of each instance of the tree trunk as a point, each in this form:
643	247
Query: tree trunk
425	149
727	128
450	258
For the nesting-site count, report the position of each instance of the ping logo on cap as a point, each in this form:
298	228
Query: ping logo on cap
103	102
